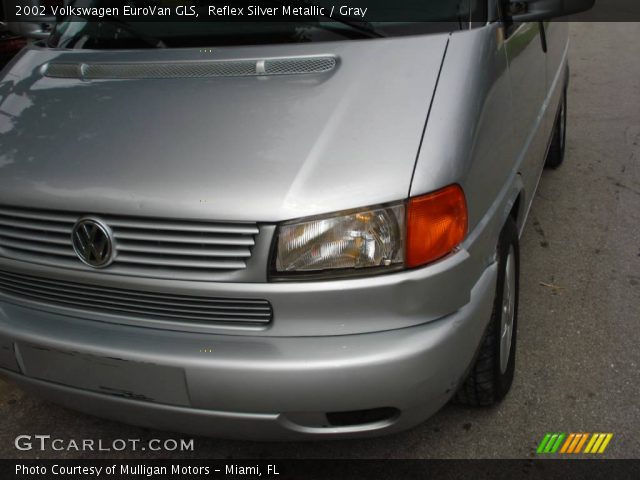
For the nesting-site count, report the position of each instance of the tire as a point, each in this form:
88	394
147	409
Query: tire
491	375
555	155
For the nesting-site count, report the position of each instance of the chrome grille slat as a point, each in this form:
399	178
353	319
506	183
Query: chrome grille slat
52	216
38	247
22	234
123	223
68	294
115	269
241	252
177	238
147	247
163	261
35	225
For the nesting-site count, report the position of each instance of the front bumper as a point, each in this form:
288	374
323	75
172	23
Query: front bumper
255	387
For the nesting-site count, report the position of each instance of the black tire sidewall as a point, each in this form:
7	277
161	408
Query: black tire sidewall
562	132
555	155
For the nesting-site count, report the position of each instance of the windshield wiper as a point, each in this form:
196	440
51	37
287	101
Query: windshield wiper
359	25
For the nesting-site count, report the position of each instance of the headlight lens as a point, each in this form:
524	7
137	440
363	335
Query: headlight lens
408	234
363	239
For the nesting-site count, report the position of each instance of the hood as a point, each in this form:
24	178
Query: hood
255	148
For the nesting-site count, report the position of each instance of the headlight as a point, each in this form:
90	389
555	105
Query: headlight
362	239
408	234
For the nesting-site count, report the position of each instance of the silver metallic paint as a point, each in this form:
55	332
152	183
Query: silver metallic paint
251	387
240	148
273	149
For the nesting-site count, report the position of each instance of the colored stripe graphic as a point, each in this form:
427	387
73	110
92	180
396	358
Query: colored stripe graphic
569	441
543	443
598	443
556	445
581	443
574	443
605	443
594	437
550	443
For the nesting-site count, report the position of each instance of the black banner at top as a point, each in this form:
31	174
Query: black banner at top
459	11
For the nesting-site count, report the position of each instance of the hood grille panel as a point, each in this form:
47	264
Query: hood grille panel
198	69
183	250
134	303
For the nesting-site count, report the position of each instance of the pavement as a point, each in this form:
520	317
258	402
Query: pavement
578	356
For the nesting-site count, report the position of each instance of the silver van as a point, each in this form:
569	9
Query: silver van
275	230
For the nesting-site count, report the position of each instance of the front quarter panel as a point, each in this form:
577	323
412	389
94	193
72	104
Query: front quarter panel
468	140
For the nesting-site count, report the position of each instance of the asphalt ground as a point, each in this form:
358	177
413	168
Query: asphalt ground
578	355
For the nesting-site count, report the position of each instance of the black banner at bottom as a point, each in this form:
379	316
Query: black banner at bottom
285	469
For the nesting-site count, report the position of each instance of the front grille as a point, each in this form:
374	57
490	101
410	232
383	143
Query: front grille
135	303
184	250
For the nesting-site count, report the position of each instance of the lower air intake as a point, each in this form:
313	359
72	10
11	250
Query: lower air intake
141	304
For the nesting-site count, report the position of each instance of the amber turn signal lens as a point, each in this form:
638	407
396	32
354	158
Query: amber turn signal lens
436	224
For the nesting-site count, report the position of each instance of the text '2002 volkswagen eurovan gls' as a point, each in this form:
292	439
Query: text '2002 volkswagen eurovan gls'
275	230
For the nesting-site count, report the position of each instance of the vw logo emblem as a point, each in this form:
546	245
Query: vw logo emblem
93	242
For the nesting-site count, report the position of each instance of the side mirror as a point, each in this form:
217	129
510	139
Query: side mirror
538	10
34	29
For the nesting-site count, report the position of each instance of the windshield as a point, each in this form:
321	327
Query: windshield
113	29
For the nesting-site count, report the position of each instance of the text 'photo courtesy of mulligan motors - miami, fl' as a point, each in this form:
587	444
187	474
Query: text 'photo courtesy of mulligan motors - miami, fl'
315	239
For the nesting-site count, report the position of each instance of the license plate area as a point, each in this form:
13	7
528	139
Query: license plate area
108	375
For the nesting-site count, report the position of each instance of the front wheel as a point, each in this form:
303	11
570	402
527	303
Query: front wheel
491	376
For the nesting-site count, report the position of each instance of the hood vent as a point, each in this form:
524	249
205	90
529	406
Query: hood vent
218	68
